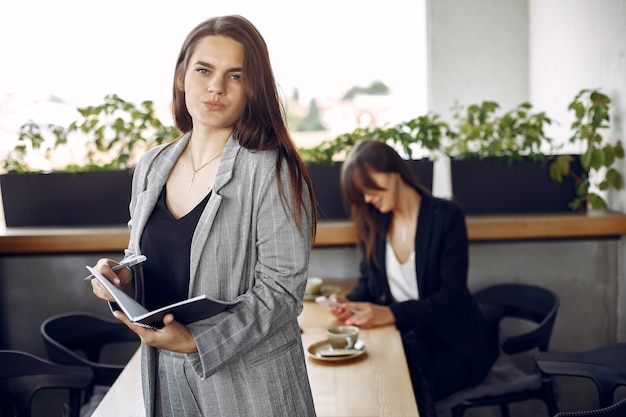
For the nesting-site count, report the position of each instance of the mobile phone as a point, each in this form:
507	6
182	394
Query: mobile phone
324	300
128	262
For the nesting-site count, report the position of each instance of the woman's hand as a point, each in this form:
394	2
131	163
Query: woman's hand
342	313
119	278
173	336
361	314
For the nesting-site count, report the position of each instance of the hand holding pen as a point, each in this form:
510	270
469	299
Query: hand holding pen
125	263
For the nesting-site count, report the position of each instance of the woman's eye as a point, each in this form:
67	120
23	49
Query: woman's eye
236	77
202	70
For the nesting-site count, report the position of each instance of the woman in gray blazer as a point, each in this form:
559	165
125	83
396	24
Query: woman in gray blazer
226	210
413	274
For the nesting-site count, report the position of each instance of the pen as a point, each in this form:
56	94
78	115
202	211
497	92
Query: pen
124	264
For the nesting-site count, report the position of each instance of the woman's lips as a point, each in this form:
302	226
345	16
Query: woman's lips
213	105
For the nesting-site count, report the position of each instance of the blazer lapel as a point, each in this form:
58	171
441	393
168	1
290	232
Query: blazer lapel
422	236
207	218
155	179
382	291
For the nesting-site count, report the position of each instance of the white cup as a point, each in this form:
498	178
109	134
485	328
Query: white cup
342	337
313	286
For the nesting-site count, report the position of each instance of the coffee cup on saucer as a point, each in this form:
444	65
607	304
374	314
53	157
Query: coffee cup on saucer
342	337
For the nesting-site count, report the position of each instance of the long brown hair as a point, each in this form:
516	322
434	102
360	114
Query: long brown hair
366	157
261	125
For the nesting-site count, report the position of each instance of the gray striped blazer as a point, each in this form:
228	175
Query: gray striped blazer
250	360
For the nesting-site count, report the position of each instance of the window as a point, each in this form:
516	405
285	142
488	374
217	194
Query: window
61	54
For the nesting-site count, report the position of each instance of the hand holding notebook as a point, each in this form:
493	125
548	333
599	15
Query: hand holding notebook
185	312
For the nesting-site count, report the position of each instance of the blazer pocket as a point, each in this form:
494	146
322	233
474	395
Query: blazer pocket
265	356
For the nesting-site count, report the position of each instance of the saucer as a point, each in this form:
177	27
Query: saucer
325	291
322	351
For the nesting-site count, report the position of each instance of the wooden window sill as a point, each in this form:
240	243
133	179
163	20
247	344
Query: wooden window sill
329	233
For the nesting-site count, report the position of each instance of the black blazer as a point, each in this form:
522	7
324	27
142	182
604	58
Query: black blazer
445	306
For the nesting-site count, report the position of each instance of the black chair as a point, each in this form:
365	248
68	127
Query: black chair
78	338
605	366
616	410
22	375
506	382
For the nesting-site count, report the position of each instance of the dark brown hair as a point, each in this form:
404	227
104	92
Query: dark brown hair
366	157
261	125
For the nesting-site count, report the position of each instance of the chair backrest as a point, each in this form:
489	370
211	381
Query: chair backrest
616	410
23	374
605	366
522	301
67	335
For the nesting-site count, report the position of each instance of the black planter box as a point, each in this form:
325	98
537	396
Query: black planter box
65	199
491	186
327	186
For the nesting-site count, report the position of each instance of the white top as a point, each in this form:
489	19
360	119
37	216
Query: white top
402	276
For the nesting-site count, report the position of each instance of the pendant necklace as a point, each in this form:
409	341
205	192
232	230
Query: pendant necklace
193	175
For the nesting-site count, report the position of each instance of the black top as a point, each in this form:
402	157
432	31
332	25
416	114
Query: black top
166	242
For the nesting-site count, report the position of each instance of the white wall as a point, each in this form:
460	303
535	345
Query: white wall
576	44
477	50
544	51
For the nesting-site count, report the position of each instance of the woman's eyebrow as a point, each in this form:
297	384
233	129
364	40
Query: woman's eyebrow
206	64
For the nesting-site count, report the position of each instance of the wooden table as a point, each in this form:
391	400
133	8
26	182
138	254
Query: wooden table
125	398
374	384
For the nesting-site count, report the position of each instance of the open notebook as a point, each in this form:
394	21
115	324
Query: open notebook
185	312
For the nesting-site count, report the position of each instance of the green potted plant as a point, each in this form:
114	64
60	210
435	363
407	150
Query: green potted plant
88	175
515	135
421	134
500	163
591	111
